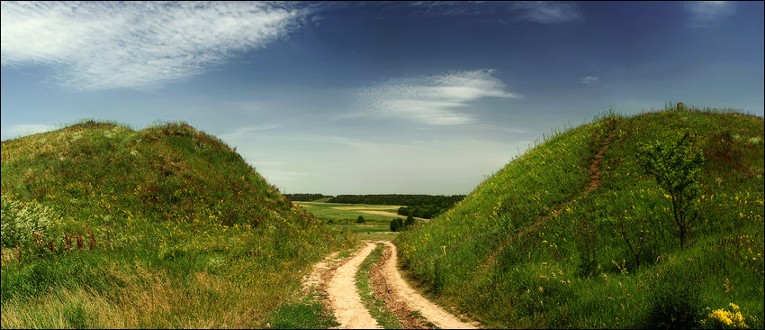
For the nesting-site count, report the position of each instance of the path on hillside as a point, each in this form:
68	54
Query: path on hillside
335	280
593	170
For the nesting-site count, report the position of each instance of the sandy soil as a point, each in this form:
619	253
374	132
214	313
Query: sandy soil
335	280
344	296
404	294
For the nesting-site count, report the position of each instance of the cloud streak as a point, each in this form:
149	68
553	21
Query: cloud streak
435	100
542	12
589	80
107	45
708	13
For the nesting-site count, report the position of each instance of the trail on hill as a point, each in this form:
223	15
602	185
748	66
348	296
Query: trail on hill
594	171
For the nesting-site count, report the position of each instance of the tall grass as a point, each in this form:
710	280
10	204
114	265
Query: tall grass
505	256
164	227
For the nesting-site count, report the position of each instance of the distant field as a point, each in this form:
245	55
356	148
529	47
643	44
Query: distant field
344	216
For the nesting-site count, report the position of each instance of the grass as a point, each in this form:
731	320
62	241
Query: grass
107	227
542	253
375	306
305	314
344	217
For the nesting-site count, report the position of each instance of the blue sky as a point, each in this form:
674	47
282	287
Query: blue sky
347	98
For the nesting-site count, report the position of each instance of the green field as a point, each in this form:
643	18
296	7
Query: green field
344	217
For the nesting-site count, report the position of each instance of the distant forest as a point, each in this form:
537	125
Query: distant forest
422	206
305	197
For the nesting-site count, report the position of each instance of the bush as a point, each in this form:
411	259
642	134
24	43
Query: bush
23	224
675	301
360	219
396	224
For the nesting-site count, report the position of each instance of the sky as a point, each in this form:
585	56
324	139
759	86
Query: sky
373	98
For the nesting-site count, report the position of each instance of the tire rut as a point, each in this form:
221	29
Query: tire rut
402	300
344	296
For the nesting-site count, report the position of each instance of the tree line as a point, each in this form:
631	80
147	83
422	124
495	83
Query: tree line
421	206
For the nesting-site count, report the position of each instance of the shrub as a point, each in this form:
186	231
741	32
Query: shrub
396	224
676	168
675	301
360	219
24	224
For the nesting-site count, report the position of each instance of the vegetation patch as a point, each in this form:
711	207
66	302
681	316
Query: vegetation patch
671	233
107	227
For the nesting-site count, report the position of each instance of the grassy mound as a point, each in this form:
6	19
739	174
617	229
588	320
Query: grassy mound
104	226
574	233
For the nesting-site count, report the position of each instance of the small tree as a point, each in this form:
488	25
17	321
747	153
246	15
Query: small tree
396	224
676	168
360	219
409	221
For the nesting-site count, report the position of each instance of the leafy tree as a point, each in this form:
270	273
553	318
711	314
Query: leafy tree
396	224
676	168
360	219
409	221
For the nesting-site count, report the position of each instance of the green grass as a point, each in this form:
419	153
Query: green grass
344	217
375	306
305	314
104	226
524	265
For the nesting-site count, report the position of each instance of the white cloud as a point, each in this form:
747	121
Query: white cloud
589	80
20	130
435	100
708	13
105	45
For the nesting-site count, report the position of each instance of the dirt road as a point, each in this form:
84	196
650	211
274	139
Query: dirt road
336	279
344	297
404	294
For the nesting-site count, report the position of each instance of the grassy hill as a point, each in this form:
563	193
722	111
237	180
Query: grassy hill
104	226
575	233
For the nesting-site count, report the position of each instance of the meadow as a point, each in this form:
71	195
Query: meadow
556	239
167	227
344	217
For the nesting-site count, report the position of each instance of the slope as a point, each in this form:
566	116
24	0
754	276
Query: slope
104	226
574	234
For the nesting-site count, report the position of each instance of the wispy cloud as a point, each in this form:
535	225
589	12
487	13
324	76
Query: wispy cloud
709	13
105	45
435	100
543	12
15	131
589	80
547	12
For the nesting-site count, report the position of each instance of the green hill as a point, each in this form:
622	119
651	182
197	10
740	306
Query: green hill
575	232
104	226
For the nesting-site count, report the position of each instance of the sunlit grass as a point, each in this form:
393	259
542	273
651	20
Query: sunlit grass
505	256
164	227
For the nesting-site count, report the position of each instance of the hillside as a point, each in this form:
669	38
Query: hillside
104	226
575	233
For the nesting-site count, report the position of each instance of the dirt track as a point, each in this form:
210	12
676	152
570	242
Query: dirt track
336	279
344	297
405	295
